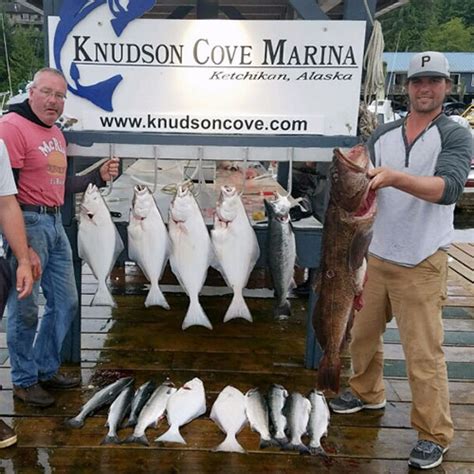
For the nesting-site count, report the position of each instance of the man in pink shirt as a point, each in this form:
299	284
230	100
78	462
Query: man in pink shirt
37	151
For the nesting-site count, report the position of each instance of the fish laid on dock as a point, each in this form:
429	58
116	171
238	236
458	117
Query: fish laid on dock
256	409
297	410
281	246
228	412
140	397
148	242
346	237
188	403
98	242
151	413
318	421
277	396
117	412
191	252
100	399
236	248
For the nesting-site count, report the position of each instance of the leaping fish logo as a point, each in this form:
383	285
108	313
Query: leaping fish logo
72	13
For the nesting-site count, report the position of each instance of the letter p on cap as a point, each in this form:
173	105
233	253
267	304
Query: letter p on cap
424	60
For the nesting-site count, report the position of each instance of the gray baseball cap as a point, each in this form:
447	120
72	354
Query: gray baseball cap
429	63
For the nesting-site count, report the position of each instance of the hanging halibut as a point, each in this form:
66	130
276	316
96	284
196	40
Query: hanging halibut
191	252
98	241
148	242
236	247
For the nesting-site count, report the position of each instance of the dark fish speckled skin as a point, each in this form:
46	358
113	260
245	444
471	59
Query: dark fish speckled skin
346	237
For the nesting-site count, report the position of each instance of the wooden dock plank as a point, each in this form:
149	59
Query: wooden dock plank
462	257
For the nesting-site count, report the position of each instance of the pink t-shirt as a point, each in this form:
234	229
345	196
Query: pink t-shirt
40	154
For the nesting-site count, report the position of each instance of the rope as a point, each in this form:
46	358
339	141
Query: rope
373	64
7	61
374	82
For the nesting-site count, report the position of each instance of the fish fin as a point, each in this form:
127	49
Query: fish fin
103	297
268	443
282	441
171	436
301	448
282	311
75	422
111	440
196	316
156	298
328	373
231	445
238	309
317	451
137	439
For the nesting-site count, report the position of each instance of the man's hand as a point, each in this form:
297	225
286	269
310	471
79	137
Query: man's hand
24	279
383	177
110	169
35	263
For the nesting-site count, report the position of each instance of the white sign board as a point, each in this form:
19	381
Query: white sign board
209	76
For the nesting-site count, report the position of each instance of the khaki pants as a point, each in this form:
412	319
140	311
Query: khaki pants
414	296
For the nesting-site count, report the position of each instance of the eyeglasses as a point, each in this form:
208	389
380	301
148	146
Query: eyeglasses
50	93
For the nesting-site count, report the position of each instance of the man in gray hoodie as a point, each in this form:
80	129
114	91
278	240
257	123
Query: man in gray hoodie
421	164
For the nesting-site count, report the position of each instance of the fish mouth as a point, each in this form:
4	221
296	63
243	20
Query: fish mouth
356	159
368	205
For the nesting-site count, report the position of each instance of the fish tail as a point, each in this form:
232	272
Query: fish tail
196	316
300	447
171	436
238	308
317	451
282	440
282	310
268	443
137	439
114	439
328	373
103	297
75	422
231	445
156	298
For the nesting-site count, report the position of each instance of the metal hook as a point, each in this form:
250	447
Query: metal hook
110	185
291	157
155	172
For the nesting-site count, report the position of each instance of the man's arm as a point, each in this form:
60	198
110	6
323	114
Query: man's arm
99	177
428	188
11	221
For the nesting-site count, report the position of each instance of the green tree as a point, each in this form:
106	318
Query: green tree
5	42
449	36
403	28
24	49
418	25
24	57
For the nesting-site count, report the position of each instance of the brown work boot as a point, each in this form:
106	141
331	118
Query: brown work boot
7	435
61	381
33	395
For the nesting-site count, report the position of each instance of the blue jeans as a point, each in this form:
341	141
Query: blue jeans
33	359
